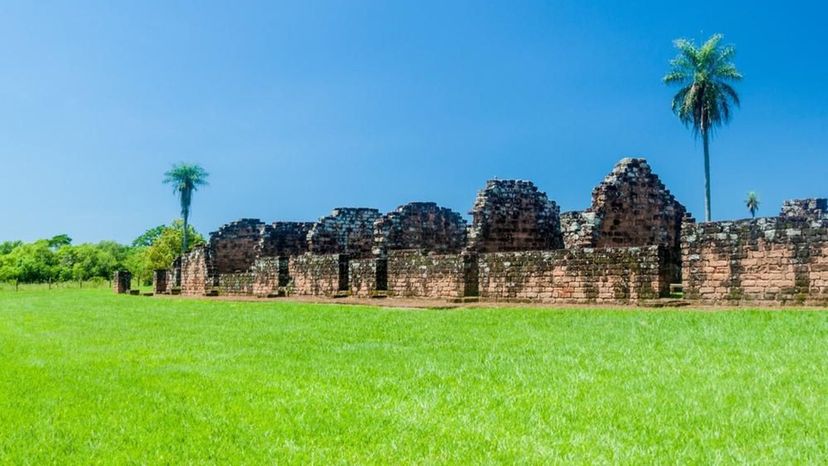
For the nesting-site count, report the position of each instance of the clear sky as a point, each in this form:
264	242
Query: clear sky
296	108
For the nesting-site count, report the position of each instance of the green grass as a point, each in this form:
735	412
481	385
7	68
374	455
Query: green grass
90	377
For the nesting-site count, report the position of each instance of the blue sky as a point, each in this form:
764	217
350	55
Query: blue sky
296	108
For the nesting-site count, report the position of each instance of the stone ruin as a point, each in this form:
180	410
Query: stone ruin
630	207
630	245
512	215
122	281
812	209
282	239
346	231
771	260
237	245
420	226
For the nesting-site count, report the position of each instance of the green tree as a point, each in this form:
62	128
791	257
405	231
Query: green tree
169	245
752	203
136	262
97	260
60	240
185	179
148	237
35	262
704	100
9	272
48	260
7	247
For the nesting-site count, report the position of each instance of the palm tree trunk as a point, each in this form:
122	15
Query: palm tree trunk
706	139
184	238
186	197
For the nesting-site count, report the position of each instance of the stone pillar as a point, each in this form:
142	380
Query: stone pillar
175	280
122	281
159	281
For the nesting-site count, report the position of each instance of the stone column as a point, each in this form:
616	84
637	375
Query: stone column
159	281
122	281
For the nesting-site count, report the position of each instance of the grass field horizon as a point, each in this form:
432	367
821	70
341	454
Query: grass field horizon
91	377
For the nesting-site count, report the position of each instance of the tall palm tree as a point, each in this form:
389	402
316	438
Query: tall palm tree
752	203
704	101
185	178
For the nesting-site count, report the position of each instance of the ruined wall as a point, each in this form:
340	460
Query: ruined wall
512	215
603	276
579	229
284	239
159	281
197	272
174	276
362	277
265	278
420	225
414	274
121	281
236	246
632	242
633	208
250	257
315	274
235	284
812	209
767	260
346	231
269	275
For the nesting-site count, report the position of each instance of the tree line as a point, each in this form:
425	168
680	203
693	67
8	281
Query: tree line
56	259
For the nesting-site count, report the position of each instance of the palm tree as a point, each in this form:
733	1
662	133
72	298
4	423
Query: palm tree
704	101
752	203
185	178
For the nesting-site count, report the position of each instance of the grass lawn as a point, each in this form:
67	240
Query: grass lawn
90	377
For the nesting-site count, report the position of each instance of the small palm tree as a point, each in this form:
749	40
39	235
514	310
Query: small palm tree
752	203
704	101
185	178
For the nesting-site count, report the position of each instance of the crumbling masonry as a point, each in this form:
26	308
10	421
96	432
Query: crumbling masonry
632	243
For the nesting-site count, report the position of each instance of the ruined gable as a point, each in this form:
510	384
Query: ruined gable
513	215
346	231
420	225
633	208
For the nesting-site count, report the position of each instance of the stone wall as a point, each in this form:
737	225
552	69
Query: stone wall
121	281
420	225
603	276
197	272
346	231
767	260
235	284
414	274
813	209
284	239
315	274
237	245
633	208
174	275
631	243
159	281
362	279
270	274
579	229
512	215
